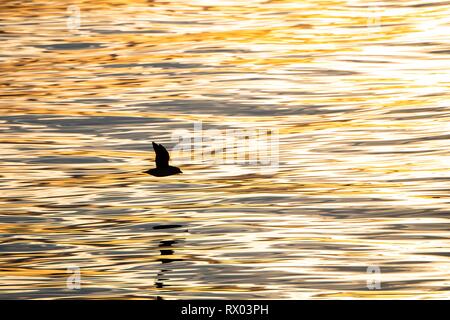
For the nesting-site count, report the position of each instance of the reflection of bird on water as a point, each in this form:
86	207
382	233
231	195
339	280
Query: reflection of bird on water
165	250
162	163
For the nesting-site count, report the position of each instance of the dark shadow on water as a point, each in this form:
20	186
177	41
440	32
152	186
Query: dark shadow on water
167	251
167	226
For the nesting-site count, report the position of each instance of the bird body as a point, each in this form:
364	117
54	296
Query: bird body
158	172
162	163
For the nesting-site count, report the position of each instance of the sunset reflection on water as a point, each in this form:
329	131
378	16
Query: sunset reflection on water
357	91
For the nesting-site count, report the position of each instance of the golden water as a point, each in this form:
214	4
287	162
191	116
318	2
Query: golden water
358	91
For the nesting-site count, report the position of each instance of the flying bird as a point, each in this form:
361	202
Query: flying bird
162	163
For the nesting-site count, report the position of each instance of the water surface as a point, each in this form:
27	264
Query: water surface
357	90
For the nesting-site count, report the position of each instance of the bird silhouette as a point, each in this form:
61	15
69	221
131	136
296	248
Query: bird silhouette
162	163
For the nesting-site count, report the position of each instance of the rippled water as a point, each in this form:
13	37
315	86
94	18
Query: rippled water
357	90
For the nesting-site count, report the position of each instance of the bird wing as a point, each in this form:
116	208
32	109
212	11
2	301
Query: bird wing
162	156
